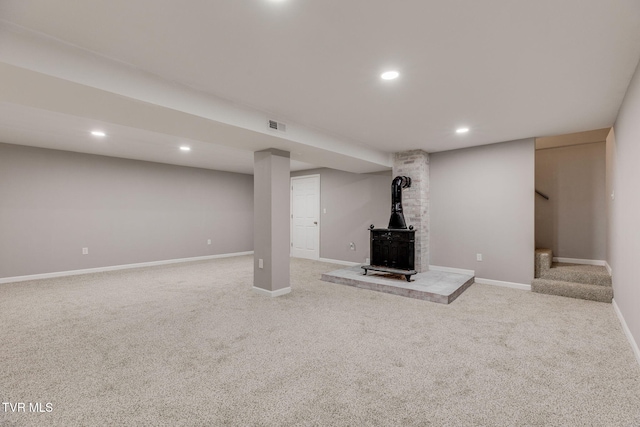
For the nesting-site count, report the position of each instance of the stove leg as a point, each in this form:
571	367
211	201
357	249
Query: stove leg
408	276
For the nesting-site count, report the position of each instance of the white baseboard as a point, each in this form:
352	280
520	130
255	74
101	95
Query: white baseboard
581	261
513	285
608	267
452	270
627	332
340	262
275	293
116	267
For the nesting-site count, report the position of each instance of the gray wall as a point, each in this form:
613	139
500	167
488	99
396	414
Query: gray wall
54	203
573	221
624	218
610	162
271	220
352	201
482	201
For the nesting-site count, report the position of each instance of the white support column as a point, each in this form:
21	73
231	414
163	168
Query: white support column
271	222
415	199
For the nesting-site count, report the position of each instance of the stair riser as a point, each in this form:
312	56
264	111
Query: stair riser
576	277
543	261
573	290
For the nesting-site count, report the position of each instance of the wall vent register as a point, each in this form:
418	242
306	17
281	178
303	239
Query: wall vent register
273	125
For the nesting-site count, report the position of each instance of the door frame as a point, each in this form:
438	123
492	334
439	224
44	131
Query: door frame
318	186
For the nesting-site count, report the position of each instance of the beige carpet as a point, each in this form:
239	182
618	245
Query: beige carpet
590	282
190	344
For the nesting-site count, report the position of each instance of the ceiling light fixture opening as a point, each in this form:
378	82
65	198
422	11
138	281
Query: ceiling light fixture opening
185	148
98	133
389	75
462	130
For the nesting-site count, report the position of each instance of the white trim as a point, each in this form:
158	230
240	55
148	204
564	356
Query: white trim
337	261
513	285
272	294
581	261
319	189
608	267
627	332
452	270
117	267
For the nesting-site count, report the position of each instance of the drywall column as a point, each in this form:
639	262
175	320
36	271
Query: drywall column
415	199
271	221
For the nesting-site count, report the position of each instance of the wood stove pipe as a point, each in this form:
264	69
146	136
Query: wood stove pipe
397	217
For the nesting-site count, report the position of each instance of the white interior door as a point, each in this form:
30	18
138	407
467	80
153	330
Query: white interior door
305	218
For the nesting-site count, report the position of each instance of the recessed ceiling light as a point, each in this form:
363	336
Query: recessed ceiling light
98	133
185	148
389	75
462	130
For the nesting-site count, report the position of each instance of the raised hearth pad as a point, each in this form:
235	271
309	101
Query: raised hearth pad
435	286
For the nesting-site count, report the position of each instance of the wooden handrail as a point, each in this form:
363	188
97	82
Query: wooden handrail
542	195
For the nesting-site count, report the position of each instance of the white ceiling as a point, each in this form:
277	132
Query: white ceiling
506	69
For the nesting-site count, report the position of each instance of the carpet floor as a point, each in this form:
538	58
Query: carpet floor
191	344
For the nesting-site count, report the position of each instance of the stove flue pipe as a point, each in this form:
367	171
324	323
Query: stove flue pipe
397	217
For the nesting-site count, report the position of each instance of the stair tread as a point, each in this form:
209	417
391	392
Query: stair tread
578	273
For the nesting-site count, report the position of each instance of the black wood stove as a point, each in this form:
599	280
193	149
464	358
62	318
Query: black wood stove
393	248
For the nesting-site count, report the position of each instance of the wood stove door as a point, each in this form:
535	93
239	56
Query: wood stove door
393	248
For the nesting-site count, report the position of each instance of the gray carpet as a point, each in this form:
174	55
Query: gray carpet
190	344
578	273
590	282
573	290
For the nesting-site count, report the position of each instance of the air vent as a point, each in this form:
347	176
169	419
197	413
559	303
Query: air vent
277	126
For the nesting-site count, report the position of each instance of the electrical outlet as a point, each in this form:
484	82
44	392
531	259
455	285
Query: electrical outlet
208	241
260	263
366	260
85	251
324	210
478	257
352	246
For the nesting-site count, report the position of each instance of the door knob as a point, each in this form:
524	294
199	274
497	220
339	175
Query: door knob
315	222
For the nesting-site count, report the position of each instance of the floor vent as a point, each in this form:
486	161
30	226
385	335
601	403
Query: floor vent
277	126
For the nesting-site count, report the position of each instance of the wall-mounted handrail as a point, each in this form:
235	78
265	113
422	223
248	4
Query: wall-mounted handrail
542	195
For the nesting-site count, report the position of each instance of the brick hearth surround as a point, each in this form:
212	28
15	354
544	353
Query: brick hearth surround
415	200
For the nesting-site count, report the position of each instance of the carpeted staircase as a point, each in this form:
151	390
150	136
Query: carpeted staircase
590	282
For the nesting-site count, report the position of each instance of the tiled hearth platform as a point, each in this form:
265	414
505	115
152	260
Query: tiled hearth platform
435	286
